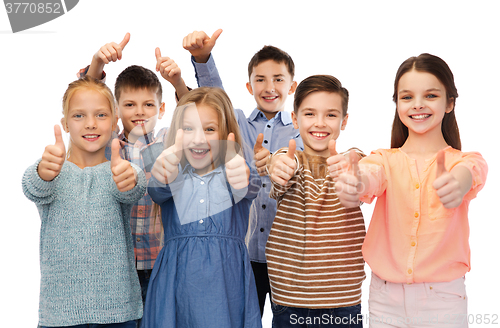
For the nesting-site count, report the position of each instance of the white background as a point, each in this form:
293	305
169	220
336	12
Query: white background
360	42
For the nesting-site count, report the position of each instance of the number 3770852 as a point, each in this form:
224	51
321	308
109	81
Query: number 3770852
27	7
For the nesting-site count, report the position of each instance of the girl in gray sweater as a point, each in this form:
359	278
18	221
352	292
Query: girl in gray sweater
87	266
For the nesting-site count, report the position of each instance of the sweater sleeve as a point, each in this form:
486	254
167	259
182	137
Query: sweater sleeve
36	189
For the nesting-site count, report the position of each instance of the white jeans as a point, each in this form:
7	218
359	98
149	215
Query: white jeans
436	304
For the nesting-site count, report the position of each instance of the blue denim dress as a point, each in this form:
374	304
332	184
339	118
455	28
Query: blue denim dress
202	276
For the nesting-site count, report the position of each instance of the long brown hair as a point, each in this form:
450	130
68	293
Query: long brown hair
436	66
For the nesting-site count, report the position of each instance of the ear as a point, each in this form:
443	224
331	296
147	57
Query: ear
451	105
344	122
249	88
64	125
161	111
295	121
293	87
115	122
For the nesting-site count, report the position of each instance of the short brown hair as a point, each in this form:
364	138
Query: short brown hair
317	83
271	53
137	77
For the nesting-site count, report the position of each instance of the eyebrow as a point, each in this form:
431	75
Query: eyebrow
428	90
275	75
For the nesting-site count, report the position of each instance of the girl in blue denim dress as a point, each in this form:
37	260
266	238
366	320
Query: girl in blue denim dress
202	276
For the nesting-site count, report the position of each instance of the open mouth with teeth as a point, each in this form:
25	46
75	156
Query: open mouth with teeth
319	135
139	122
270	98
91	137
420	116
198	153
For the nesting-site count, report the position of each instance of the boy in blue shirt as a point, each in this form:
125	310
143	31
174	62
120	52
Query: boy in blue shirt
268	127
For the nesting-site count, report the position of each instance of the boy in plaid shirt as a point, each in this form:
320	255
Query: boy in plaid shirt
138	94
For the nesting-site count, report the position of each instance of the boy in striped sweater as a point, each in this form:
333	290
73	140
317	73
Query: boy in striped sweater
314	257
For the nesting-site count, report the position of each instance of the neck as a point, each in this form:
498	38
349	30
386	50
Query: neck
425	145
87	160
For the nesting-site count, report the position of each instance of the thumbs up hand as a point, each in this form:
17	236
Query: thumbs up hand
53	157
123	173
237	171
348	185
200	45
260	155
446	184
167	68
165	169
337	163
111	52
283	166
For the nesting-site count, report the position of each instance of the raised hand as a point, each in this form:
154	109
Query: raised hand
111	52
165	169
53	157
123	173
261	155
200	45
167	68
447	186
282	167
348	185
337	163
237	171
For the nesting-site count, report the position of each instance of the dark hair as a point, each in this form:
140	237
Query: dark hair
436	66
137	77
316	83
271	53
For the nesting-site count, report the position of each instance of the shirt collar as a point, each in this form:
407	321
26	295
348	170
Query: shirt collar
145	140
282	116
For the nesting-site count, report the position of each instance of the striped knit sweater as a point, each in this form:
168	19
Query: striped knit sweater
314	248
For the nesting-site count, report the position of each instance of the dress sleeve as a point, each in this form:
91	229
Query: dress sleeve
161	192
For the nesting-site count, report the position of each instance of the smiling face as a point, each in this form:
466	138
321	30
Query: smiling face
139	110
319	119
90	123
270	84
422	103
201	137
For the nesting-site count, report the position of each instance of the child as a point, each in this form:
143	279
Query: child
417	243
86	251
269	128
314	249
138	95
202	276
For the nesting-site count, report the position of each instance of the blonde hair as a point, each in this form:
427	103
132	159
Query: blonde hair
86	83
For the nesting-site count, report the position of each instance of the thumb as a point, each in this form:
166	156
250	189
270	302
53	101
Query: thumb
331	146
440	164
115	152
125	40
215	36
59	140
353	161
258	143
179	136
157	53
231	148
291	149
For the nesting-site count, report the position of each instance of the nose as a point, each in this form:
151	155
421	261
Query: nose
418	104
140	111
270	87
90	122
199	137
320	121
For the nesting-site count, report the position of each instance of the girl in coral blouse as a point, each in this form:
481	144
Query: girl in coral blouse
417	242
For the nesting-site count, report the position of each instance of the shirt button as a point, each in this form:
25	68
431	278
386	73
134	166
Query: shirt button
261	229
268	126
410	271
263	185
140	212
413	243
265	141
417	186
201	221
138	239
202	201
416	214
202	183
264	206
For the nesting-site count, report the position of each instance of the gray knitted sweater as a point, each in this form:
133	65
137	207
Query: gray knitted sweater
86	253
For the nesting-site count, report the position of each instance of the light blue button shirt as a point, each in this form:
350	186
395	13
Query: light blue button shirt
277	133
